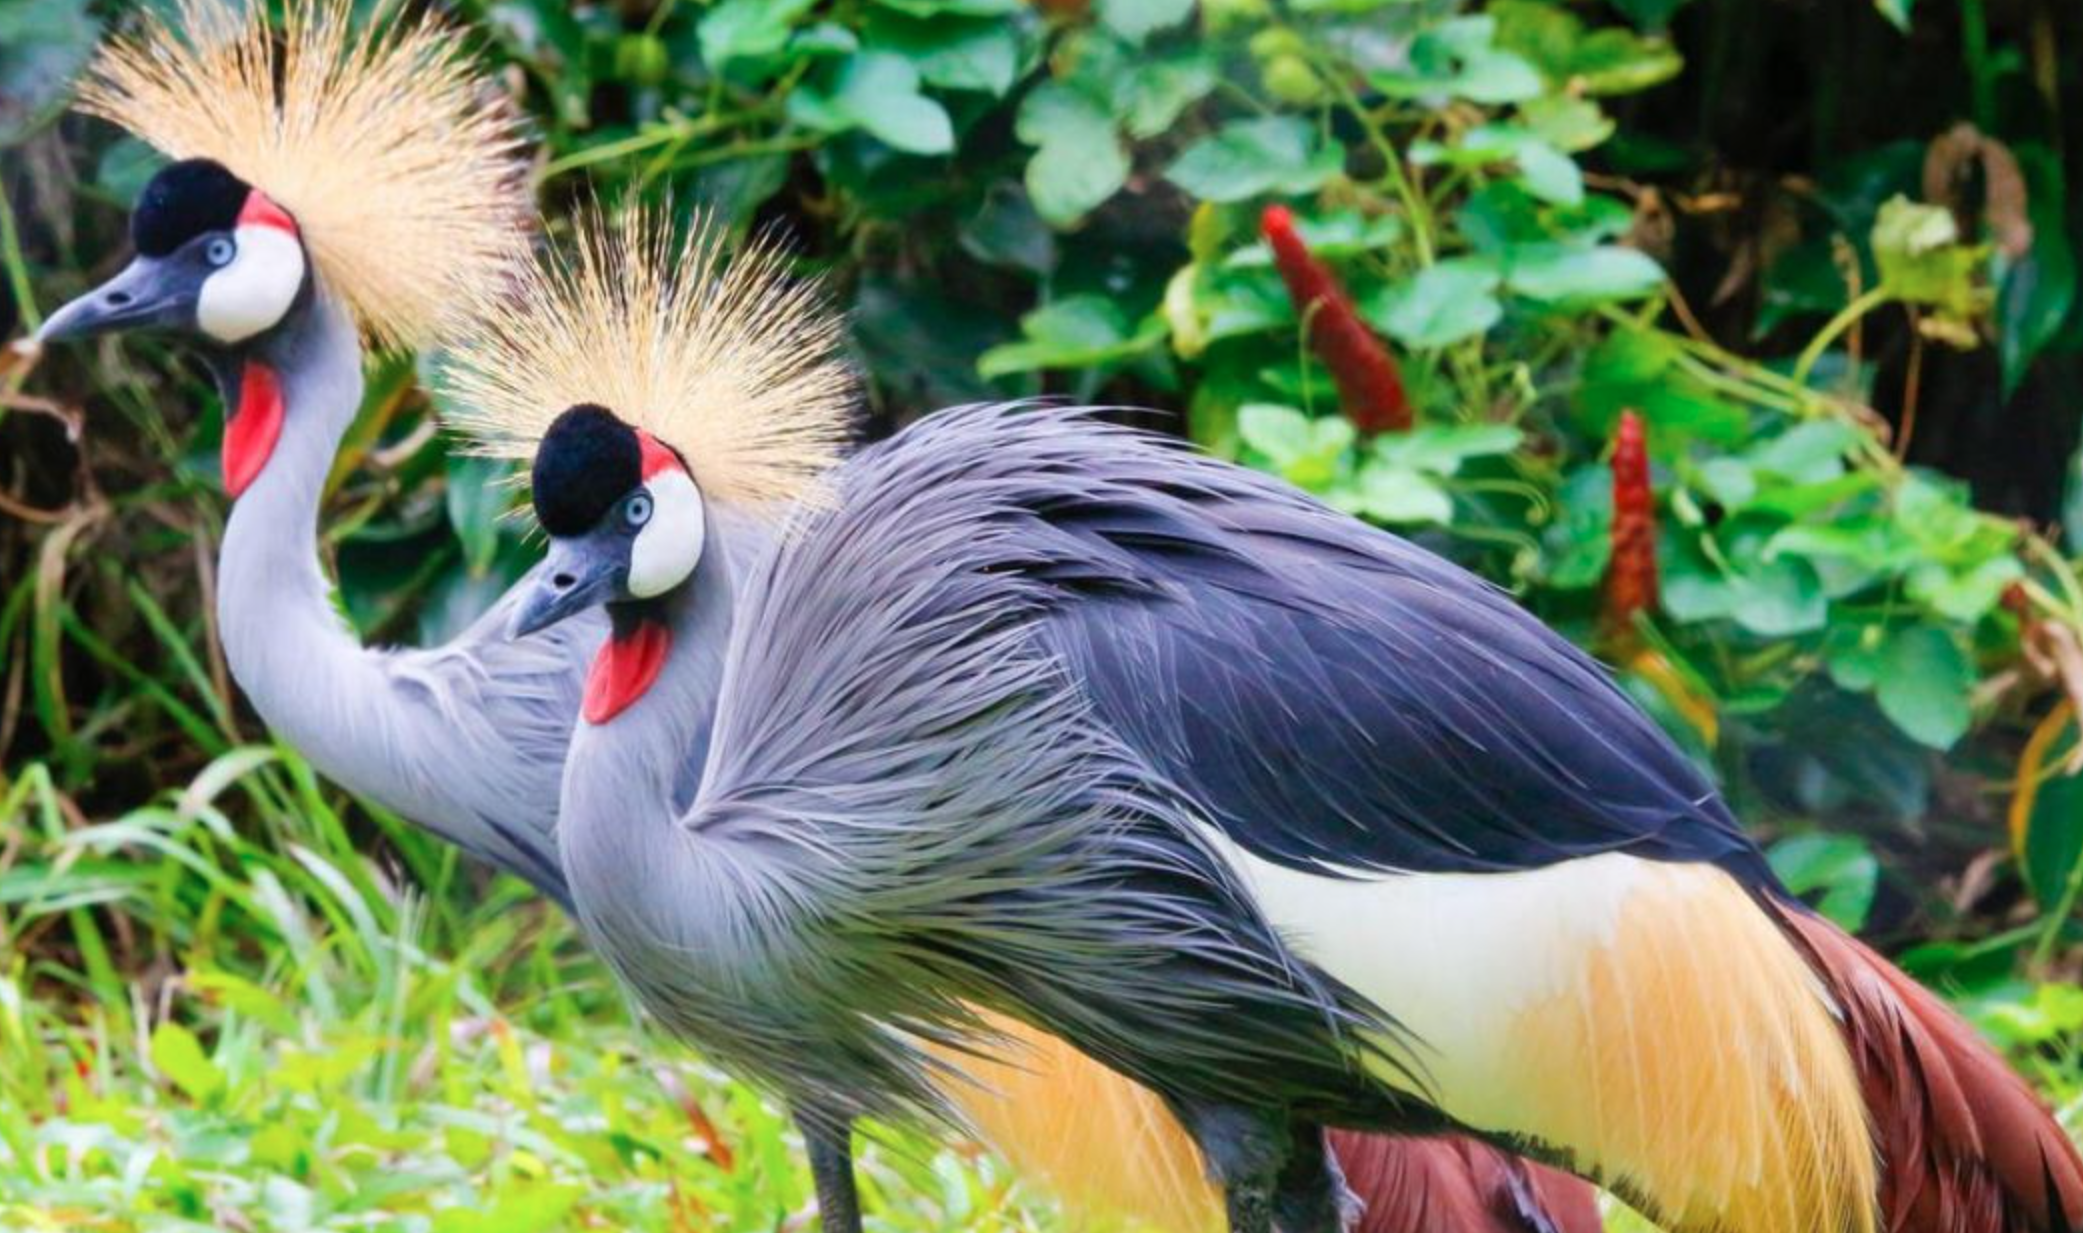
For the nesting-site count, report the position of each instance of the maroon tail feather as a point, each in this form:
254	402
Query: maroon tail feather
1966	1147
1459	1186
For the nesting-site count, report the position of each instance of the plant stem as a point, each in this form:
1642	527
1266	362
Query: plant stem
1846	318
17	266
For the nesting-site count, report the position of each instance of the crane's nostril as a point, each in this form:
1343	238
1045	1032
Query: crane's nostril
118	299
564	582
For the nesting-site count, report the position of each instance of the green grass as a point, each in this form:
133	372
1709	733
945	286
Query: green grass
253	1027
230	1031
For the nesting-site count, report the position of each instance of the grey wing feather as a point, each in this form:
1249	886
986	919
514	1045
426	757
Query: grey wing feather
480	728
961	830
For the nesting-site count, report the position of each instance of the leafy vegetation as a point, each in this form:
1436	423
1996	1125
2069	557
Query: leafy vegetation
1827	267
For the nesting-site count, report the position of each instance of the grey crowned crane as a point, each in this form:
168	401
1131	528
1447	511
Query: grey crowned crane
1289	820
735	358
328	178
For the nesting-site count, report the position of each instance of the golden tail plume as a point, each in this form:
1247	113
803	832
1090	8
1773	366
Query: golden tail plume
1112	1152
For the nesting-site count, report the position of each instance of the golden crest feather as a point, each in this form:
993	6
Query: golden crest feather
725	357
405	172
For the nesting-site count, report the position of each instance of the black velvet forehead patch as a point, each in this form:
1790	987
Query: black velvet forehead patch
182	202
588	460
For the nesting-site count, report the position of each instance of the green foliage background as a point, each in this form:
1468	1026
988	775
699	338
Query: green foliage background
230	995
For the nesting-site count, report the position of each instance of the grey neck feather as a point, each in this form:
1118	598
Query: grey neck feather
293	653
638	773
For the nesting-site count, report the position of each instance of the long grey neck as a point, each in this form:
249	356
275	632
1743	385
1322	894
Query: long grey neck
633	777
291	651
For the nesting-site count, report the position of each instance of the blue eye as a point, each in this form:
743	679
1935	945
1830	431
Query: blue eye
220	251
637	509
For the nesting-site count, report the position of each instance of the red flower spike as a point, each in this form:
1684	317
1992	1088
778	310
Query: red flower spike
1370	388
1631	573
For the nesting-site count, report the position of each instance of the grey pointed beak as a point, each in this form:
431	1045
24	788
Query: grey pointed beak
576	575
147	293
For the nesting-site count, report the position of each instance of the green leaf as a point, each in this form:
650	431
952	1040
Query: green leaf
1251	158
477	499
1965	595
1333	235
1149	99
1136	20
1917	248
1841	867
1571	125
959	8
43	45
1923	685
1439	305
748	29
1556	273
1394	494
1549	174
1896	11
953	53
2038	290
1303	450
1079	161
179	1056
1079	331
877	92
1440	449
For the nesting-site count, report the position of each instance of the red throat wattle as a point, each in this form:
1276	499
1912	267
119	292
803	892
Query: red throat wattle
624	669
254	428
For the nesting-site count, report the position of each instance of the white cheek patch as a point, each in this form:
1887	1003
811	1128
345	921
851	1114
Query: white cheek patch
256	289
670	545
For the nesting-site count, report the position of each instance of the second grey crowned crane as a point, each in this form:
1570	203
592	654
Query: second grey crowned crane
1289	820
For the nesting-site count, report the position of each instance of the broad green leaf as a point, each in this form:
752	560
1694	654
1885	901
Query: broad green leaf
1966	595
178	1056
1556	273
1442	448
1439	305
1251	158
1617	61
1136	20
877	92
2049	811
1896	11
958	8
1339	233
1079	161
1393	494
954	53
1305	450
2037	291
1579	542
1841	867
1639	369
1924	684
1571	125
1550	175
1149	99
43	45
1807	453
1079	331
477	499
1771	597
1922	260
748	29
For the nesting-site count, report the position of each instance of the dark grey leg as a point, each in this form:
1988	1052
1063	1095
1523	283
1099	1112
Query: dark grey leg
1246	1151
829	1144
1310	1195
